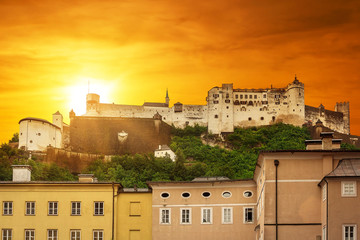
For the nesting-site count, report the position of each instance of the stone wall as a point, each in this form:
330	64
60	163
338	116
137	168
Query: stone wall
101	135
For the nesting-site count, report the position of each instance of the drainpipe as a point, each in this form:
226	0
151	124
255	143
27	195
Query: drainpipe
276	163
113	210
327	209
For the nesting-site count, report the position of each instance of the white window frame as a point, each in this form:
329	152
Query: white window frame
29	234
181	215
227	221
324	192
77	234
210	217
30	208
7	208
343	193
52	234
53	208
75	208
349	225
99	208
6	234
161	216
98	232
245	215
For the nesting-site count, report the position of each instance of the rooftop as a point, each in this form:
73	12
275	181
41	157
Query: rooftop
346	168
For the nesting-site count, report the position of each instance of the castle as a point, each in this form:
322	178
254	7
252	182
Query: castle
118	129
228	108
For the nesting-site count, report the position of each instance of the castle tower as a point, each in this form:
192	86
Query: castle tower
167	99
58	120
344	107
92	100
295	101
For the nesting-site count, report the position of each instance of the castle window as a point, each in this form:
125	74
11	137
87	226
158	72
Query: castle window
255	96
246	96
187	123
164	118
250	96
216	116
236	96
293	110
30	141
236	102
273	118
261	109
20	134
227	116
227	107
262	118
227	100
250	103
243	109
227	95
264	96
241	96
249	118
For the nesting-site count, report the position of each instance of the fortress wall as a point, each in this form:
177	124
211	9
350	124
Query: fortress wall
331	119
100	135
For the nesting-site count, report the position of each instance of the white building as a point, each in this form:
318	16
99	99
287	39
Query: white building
37	134
165	151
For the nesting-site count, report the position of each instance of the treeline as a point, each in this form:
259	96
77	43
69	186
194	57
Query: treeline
40	171
236	159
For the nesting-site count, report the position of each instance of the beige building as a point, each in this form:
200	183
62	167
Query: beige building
308	194
206	208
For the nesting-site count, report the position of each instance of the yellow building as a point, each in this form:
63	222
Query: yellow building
72	210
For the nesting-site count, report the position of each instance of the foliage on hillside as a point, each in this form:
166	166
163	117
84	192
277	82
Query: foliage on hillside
40	171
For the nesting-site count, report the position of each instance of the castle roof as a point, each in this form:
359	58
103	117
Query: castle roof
154	104
39	120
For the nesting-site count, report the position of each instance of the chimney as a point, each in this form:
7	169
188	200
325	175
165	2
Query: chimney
87	178
327	140
21	173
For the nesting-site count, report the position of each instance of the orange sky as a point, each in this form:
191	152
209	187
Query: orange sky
134	49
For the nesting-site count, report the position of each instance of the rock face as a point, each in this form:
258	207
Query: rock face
115	135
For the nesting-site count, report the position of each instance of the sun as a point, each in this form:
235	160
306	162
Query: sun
84	85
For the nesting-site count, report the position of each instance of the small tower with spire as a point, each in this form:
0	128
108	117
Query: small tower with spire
167	99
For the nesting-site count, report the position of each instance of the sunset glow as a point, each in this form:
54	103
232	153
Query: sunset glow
132	51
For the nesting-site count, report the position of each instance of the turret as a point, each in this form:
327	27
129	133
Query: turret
58	120
344	107
295	100
92	99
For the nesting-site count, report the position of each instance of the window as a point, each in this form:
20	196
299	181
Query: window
255	96
52	234
53	208
248	215
349	232
185	215
348	189
324	193
249	118
99	208
7	208
227	217
250	96
216	116
324	232
75	234
75	208
165	195
98	234
248	194
206	215
206	194
241	96
226	194
7	234
185	194
261	118
29	234
165	216
30	208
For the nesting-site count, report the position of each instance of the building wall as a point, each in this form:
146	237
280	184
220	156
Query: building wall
342	210
64	194
35	135
100	135
134	216
198	230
